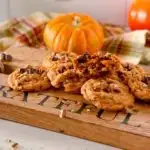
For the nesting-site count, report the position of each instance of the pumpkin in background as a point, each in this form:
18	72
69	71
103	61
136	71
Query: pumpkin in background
74	32
139	15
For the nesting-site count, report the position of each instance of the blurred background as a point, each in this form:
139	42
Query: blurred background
109	11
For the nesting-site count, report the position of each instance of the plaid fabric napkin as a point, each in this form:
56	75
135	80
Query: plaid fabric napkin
29	30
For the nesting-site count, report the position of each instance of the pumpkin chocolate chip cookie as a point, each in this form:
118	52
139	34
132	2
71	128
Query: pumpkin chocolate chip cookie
68	79
98	65
140	86
55	57
107	94
63	72
29	79
127	70
137	80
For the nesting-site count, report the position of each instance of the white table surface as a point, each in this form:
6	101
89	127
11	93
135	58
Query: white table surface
30	138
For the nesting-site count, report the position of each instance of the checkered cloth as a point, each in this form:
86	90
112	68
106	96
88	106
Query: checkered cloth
29	30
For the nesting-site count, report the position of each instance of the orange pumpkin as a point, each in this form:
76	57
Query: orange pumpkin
139	15
74	33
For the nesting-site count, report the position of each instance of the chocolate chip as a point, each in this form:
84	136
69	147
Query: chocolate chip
116	90
8	58
147	80
102	73
107	90
85	70
83	58
35	70
71	67
128	66
32	71
106	57
61	69
22	70
54	57
121	75
5	57
27	70
38	71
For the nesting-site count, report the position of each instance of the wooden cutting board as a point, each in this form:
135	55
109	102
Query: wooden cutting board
44	110
24	56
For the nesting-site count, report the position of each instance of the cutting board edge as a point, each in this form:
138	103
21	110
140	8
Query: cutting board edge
100	135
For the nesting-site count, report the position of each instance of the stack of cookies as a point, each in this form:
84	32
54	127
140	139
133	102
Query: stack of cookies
103	80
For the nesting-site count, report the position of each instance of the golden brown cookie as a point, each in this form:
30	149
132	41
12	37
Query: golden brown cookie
127	70
61	57
140	86
98	65
107	94
67	79
29	79
62	72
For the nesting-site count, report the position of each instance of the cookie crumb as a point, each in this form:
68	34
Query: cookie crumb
14	145
88	110
62	113
9	141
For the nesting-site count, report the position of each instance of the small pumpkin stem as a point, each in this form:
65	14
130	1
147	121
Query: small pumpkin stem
76	21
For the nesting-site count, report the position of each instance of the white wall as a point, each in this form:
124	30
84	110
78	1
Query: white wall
3	9
109	11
